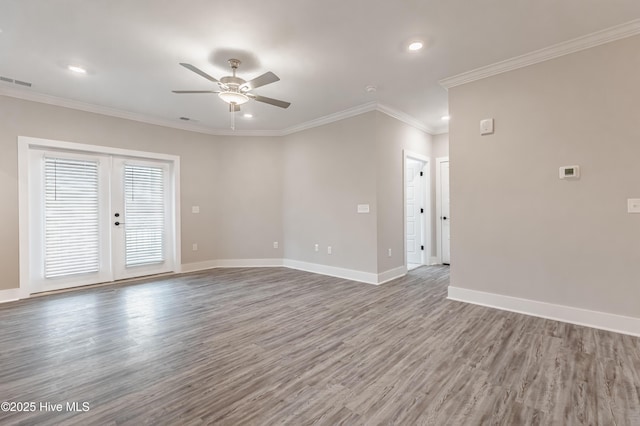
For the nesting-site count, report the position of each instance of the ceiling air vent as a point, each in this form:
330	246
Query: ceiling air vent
11	80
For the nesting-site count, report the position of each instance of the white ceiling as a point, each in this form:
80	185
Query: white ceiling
325	52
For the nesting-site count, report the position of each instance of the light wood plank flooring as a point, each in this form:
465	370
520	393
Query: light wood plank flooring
271	346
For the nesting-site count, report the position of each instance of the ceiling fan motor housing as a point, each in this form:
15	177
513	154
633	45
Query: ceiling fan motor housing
232	83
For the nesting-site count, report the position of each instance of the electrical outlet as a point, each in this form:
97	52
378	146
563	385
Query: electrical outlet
328	249
633	205
317	247
275	244
389	252
195	209
194	247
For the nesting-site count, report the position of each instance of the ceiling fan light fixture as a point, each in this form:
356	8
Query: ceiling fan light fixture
233	97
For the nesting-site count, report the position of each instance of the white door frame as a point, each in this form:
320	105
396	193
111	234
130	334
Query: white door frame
25	144
439	162
426	224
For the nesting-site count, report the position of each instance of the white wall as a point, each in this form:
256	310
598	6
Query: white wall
519	230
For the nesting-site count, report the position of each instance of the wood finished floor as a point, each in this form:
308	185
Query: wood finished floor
272	346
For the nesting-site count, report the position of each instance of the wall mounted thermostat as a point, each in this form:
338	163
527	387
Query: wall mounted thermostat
486	126
569	172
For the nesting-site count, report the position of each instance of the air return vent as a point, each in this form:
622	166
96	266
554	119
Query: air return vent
11	80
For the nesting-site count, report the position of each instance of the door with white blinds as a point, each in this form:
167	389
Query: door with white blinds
141	218
97	218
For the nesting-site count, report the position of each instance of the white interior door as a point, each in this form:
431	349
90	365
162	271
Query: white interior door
414	190
445	218
97	218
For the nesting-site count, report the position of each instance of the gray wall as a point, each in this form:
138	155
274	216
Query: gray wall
441	145
329	170
235	181
299	190
393	137
519	230
440	149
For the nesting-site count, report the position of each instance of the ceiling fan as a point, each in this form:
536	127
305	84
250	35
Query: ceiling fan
236	91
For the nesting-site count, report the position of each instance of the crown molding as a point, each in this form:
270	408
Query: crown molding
357	110
405	118
142	118
608	35
114	112
331	118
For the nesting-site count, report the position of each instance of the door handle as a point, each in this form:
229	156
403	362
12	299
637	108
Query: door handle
444	218
118	223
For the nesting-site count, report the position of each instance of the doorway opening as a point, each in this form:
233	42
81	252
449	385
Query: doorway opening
91	214
417	210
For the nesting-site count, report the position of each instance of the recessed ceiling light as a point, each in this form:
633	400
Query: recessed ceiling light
415	45
79	70
371	88
248	116
445	118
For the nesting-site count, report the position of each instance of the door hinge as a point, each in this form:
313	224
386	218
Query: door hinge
421	173
421	210
421	247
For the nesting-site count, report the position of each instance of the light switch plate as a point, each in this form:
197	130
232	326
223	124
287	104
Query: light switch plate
633	205
486	126
195	209
363	208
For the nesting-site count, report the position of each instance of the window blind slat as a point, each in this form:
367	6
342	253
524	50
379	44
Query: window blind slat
144	215
71	217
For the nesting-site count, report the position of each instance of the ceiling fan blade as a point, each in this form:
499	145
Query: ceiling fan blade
199	72
234	107
270	101
263	80
194	91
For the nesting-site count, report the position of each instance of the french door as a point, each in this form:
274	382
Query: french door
97	218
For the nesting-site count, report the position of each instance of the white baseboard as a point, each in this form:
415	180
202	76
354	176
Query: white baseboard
392	274
332	271
198	266
349	274
434	260
578	316
230	263
9	295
